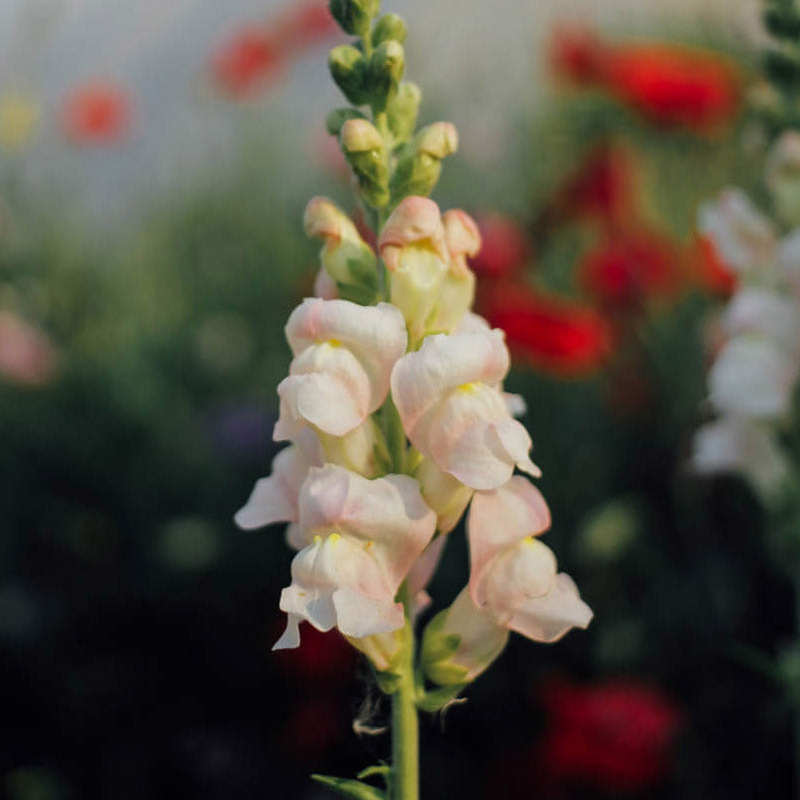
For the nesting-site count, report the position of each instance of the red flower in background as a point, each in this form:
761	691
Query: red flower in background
505	249
97	113
603	187
628	268
247	62
256	55
556	335
669	84
615	735
709	270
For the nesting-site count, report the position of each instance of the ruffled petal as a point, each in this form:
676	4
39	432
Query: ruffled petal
274	499
335	582
387	516
548	618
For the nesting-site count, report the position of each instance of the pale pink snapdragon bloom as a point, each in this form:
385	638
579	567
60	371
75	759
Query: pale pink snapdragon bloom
363	536
453	410
514	585
343	357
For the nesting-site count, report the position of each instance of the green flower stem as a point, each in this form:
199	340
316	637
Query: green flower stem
405	726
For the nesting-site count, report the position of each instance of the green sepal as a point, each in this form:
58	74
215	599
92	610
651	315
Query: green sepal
437	649
388	682
338	117
389	27
364	280
349	787
436	699
415	174
348	69
402	111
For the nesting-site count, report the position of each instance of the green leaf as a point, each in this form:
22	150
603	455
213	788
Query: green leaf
348	787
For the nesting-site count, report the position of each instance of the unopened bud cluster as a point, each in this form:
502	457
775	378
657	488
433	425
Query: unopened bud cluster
377	133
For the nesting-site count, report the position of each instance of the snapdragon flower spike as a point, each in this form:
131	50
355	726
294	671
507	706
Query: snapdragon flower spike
363	537
513	575
343	357
449	397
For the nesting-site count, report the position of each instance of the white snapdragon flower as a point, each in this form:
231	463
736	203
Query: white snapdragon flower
514	586
753	377
449	399
343	357
513	575
361	538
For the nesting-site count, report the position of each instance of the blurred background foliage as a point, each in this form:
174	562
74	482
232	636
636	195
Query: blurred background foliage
138	362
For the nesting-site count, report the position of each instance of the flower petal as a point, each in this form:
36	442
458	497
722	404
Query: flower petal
498	520
548	618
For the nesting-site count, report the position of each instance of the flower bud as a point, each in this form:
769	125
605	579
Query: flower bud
783	177
363	148
337	118
415	174
438	140
389	27
349	70
384	73
354	16
346	257
359	136
402	111
413	248
419	165
459	643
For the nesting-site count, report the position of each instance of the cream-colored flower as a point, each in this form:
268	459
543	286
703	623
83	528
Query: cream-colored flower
343	357
448	397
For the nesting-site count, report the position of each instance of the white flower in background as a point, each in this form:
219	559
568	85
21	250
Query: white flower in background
744	238
738	445
453	411
752	376
361	539
343	357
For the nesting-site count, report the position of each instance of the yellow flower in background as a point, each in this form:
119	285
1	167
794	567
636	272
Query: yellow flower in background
19	115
